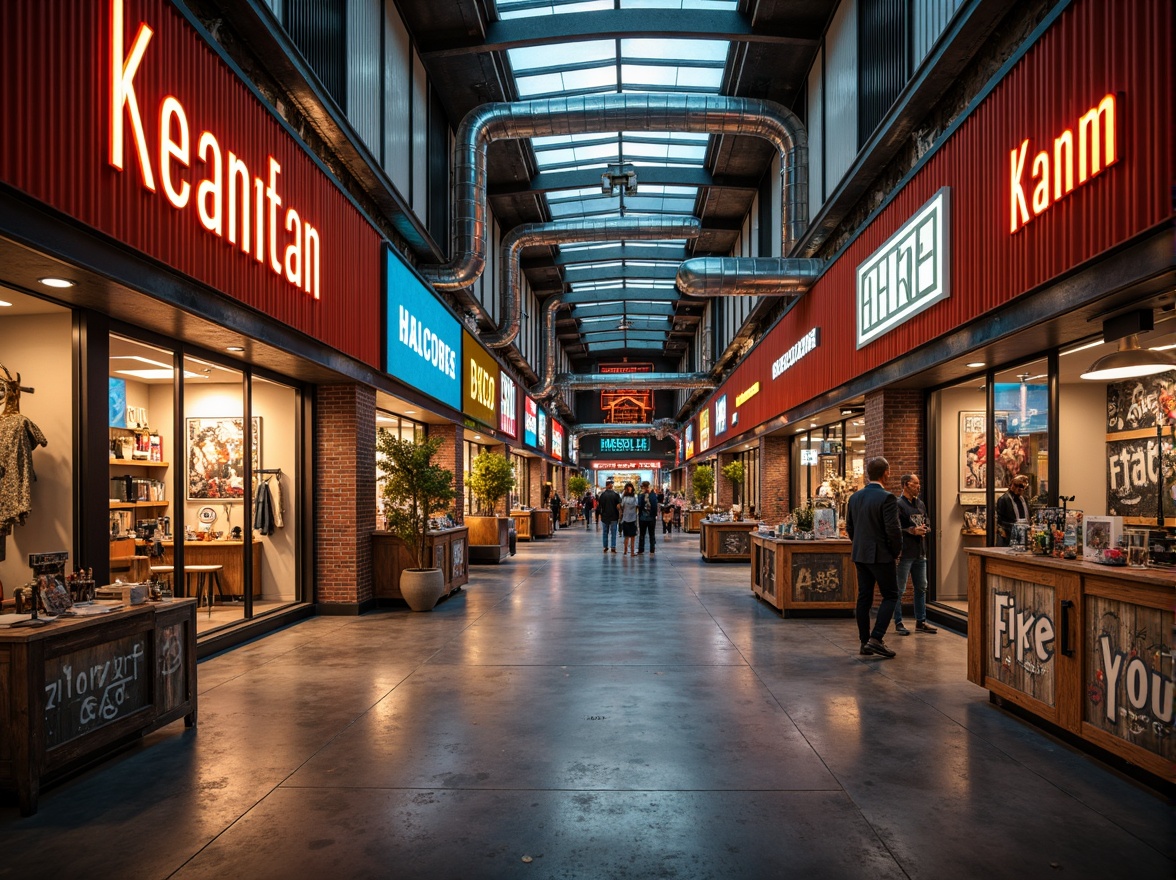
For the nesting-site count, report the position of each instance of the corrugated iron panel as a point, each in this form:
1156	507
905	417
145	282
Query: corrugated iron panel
56	151
1095	47
364	70
883	36
319	30
929	19
841	93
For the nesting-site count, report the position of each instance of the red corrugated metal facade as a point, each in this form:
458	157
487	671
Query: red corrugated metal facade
56	74
1096	47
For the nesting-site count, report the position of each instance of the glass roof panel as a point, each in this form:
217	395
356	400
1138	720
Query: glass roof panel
536	57
681	51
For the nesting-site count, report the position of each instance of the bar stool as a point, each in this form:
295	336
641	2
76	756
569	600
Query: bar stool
206	577
168	570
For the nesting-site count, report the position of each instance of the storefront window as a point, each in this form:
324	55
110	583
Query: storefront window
749	491
470	451
405	429
1021	429
822	456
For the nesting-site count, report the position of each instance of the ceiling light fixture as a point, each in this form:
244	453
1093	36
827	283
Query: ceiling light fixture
237	348
4	305
56	282
975	365
1129	362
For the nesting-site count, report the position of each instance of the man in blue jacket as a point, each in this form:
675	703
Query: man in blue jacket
872	522
608	512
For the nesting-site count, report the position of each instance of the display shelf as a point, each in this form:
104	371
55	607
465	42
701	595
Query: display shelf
131	462
132	505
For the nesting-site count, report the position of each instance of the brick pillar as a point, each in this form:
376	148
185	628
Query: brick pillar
895	428
451	456
537	466
724	488
345	497
775	478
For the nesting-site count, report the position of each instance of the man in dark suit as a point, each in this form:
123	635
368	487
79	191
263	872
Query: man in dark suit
872	522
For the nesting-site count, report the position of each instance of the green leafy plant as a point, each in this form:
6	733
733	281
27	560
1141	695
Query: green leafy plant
577	485
733	471
703	483
491	477
804	518
414	487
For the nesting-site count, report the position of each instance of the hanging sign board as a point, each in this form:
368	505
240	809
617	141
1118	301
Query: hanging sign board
508	406
479	398
423	340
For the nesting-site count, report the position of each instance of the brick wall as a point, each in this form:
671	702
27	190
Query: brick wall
345	493
451	456
895	429
724	488
538	475
775	478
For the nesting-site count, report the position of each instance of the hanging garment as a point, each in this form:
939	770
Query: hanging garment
263	511
19	436
275	487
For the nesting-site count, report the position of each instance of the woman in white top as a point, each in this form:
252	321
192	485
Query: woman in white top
629	518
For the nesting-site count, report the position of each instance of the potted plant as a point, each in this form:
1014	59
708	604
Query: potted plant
491	478
414	489
577	485
733	471
803	516
703	483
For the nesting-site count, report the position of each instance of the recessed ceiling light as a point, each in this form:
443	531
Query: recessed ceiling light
477	436
975	364
234	348
57	282
410	412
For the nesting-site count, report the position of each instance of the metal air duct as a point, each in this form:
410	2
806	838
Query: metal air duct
705	114
649	228
747	276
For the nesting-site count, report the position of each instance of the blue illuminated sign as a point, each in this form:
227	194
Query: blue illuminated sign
422	339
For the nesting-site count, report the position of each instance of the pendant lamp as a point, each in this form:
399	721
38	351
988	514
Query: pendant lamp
1130	361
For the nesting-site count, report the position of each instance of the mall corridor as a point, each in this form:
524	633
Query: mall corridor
572	716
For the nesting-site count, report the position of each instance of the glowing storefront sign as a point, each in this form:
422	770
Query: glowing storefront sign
689	441
627	465
803	346
704	430
479	398
1051	176
743	396
229	201
908	274
557	440
542	422
508	405
423	338
530	422
721	415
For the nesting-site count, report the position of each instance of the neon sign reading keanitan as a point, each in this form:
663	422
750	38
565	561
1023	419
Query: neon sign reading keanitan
229	200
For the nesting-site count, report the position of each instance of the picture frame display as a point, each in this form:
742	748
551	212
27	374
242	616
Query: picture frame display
1100	533
977	463
216	457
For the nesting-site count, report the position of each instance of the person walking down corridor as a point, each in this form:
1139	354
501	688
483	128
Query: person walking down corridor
647	519
629	518
608	513
667	515
587	503
872	522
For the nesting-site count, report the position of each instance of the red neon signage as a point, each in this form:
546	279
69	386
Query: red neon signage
1051	176
230	202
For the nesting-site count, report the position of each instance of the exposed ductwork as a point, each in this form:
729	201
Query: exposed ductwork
747	276
572	381
648	228
660	428
705	114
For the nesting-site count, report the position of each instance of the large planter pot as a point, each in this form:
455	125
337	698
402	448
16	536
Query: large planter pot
422	587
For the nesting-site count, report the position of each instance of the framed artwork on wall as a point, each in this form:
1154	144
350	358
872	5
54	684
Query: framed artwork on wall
976	465
216	457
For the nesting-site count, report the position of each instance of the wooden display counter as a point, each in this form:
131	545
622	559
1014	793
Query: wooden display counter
81	687
229	554
1083	646
489	539
523	522
694	520
541	523
726	541
449	550
789	575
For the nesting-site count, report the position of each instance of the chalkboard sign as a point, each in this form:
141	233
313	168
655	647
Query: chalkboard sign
95	686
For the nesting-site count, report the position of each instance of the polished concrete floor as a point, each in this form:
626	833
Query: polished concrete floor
575	715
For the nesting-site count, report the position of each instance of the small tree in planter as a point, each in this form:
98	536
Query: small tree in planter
577	485
703	483
414	489
491	477
733	471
